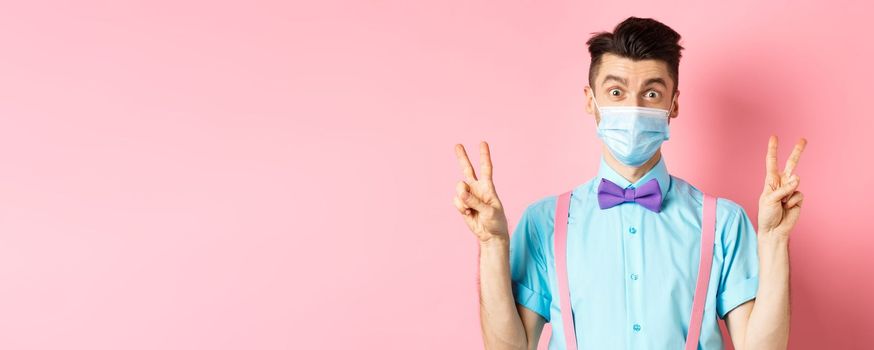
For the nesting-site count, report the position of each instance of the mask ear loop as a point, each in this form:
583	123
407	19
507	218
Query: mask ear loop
595	101
673	99
597	110
668	133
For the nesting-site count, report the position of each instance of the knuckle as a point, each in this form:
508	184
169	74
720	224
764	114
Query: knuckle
461	186
465	198
488	211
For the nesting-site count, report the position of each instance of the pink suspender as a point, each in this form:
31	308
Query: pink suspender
708	228
560	247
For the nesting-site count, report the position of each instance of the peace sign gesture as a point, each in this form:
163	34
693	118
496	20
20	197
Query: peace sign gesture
477	200
780	202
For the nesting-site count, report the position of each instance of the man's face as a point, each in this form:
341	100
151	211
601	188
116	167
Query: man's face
623	82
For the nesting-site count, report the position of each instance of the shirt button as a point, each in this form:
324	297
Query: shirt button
634	276
636	327
632	230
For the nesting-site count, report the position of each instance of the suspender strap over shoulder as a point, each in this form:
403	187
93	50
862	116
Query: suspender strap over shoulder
708	227
560	247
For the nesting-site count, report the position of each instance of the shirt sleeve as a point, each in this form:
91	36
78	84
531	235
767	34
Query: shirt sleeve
740	267
528	265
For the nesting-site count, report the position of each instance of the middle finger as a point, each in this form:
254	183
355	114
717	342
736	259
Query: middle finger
793	158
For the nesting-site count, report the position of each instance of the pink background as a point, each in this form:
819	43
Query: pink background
214	175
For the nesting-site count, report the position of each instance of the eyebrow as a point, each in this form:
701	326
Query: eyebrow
655	81
613	77
625	81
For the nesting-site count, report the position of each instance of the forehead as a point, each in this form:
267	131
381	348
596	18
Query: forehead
634	72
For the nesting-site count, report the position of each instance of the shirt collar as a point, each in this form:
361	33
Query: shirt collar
658	172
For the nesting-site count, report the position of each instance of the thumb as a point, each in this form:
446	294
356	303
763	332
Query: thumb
472	201
785	190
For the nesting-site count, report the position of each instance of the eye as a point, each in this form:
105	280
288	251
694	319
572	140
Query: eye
652	94
615	92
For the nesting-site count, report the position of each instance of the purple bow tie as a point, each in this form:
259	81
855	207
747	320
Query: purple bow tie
648	195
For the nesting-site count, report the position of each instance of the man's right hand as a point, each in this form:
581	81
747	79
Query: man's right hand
477	200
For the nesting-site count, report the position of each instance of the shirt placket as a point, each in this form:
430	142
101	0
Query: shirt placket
633	267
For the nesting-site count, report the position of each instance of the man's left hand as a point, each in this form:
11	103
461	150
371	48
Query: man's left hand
780	202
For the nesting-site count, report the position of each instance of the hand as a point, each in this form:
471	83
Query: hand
780	202
477	200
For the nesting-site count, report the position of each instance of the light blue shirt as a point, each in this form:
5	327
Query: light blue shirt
632	271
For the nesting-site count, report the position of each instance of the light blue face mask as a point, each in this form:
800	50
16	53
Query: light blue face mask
633	134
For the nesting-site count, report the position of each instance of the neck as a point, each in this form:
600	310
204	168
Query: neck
632	174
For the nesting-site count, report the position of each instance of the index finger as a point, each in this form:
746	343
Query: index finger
485	157
793	158
771	158
466	168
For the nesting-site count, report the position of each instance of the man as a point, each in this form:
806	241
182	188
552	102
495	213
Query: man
632	267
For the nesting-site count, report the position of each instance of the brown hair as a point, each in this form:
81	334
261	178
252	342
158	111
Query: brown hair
637	39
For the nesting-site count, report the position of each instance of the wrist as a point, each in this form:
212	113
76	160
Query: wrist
772	239
495	242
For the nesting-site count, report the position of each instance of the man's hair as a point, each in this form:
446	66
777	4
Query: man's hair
637	39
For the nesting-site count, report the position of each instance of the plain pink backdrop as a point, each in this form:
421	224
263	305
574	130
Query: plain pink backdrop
253	175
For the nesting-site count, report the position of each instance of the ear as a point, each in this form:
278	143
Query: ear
590	107
676	110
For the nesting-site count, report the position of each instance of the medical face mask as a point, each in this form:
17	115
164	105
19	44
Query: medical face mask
633	134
